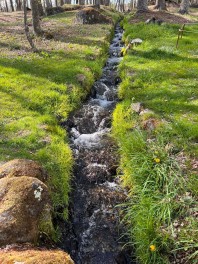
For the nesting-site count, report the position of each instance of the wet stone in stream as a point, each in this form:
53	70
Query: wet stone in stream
93	233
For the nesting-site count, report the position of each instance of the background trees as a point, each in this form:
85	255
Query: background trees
121	5
184	6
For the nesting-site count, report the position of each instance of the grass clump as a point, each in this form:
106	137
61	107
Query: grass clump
157	146
40	90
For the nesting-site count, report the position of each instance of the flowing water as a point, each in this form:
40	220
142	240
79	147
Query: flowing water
93	233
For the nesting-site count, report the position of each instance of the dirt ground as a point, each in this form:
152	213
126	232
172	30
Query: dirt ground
170	16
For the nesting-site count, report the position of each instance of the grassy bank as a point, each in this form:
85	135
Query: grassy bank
158	142
38	90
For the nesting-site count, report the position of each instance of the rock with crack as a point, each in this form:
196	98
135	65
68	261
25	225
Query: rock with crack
24	209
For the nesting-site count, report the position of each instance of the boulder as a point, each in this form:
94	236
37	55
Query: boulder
54	10
24	204
22	167
34	256
89	15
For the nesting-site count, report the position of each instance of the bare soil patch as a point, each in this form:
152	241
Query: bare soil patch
159	15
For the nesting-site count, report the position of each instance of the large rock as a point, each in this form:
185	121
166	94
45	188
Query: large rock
89	15
24	204
22	167
33	256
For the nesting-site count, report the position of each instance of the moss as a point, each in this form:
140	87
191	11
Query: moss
31	256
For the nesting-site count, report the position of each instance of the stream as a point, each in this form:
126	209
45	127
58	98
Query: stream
94	233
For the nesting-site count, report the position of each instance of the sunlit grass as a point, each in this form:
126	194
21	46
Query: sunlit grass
40	90
157	165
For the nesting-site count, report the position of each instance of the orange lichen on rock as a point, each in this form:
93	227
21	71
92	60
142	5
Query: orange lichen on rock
34	256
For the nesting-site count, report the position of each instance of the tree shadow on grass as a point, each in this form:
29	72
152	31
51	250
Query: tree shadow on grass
55	71
157	54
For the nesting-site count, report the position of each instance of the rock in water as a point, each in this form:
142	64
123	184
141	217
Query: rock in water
33	256
89	15
23	167
24	202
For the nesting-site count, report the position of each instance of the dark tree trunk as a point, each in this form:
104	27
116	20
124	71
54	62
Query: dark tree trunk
40	8
142	5
12	6
6	6
48	3
18	5
36	18
184	6
160	4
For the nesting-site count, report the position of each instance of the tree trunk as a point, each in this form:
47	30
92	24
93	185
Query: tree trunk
142	5
160	4
27	33
48	3
18	5
36	18
6	6
40	8
12	6
184	7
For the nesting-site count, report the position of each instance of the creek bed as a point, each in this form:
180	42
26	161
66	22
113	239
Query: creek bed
93	233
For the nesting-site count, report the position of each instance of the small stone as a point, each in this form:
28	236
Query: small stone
137	107
136	41
150	124
81	78
146	111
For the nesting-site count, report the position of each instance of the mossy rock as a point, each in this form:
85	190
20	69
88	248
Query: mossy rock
54	10
23	202
90	15
34	256
23	167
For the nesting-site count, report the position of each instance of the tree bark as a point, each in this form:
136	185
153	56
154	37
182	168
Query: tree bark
160	4
27	33
184	6
6	6
11	5
18	5
142	5
40	8
36	18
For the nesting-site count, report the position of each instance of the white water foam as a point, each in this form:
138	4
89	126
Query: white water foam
91	140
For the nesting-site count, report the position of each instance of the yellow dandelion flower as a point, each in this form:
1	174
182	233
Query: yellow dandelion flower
152	248
157	160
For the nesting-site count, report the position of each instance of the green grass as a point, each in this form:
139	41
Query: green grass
39	90
157	165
